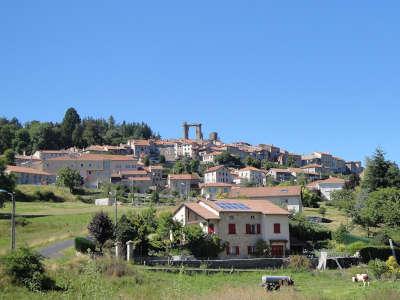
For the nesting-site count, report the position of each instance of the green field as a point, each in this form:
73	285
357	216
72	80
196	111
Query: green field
85	283
48	222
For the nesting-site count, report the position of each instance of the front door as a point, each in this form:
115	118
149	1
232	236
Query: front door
277	250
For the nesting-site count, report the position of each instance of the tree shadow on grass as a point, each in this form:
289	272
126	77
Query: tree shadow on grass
7	216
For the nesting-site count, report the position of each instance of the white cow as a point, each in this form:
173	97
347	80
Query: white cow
361	278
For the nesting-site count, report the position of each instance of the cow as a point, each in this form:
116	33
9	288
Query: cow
361	278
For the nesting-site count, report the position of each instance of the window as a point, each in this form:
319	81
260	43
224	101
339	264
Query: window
211	228
252	217
277	228
251	250
230	217
232	228
253	228
232	250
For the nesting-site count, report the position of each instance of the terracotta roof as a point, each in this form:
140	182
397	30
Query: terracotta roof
258	192
328	180
264	207
141	142
19	169
213	169
183	177
87	156
251	169
200	210
215	184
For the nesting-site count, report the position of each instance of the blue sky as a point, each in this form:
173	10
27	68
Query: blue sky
304	75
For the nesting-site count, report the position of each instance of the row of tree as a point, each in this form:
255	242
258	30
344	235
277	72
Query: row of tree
376	201
152	234
72	131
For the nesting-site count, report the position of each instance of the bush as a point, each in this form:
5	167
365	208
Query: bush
304	230
356	246
382	253
377	268
299	262
322	210
83	245
340	234
393	266
25	267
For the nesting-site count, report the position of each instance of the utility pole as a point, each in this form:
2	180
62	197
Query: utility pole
13	222
12	195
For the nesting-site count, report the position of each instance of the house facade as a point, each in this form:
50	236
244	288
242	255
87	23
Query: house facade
240	224
327	186
94	168
183	183
252	175
217	174
26	175
213	190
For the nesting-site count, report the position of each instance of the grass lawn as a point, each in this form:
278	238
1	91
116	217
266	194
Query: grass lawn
85	283
357	233
48	222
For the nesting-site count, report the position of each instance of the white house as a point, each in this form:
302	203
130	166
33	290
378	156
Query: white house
183	183
217	174
288	197
327	186
252	175
239	223
212	190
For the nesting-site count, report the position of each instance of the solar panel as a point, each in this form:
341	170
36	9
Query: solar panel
232	206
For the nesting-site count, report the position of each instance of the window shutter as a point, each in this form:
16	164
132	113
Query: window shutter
277	228
258	228
248	249
237	250
247	228
227	249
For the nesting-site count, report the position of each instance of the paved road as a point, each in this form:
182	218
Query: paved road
54	250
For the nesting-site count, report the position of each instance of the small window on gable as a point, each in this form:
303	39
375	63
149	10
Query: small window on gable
252	217
231	217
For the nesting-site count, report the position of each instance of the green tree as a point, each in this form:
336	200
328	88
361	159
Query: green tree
380	173
310	198
252	162
146	161
101	228
202	245
69	178
340	234
162	159
344	200
22	141
125	231
7	182
9	157
229	160
69	123
77	137
155	197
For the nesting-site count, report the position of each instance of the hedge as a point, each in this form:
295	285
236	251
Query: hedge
382	253
83	244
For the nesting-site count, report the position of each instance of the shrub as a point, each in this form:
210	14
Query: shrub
356	246
299	262
340	234
393	266
25	267
83	245
306	231
382	253
377	268
322	210
262	248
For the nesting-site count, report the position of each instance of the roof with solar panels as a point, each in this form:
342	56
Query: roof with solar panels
208	209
